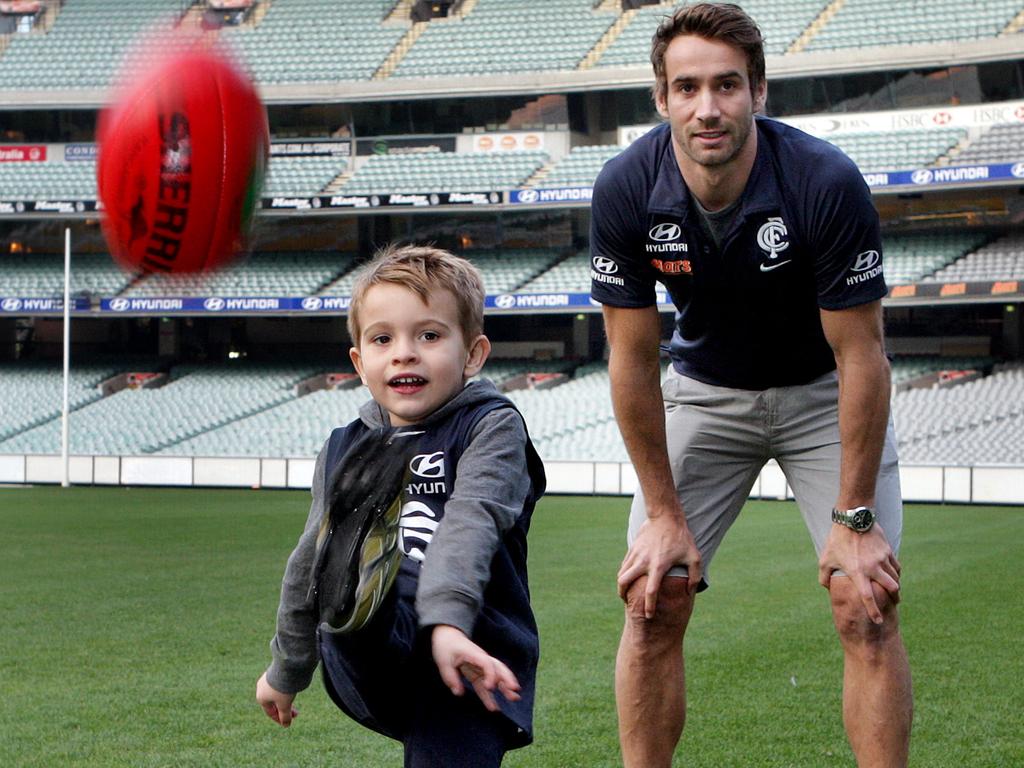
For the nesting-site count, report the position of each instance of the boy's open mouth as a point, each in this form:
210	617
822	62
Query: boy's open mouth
406	383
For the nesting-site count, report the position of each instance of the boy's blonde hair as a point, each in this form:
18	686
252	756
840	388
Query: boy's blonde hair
422	269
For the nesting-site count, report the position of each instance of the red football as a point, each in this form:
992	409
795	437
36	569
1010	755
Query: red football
182	155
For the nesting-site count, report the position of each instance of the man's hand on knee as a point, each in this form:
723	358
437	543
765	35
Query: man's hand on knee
662	542
866	558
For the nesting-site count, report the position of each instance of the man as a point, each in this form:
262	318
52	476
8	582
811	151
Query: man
769	246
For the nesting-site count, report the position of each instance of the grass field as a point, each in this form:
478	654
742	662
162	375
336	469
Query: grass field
134	623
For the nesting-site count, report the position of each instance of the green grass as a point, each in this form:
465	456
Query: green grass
134	623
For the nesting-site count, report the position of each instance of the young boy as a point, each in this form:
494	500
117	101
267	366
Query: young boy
458	610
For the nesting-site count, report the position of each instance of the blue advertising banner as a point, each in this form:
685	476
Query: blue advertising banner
21	305
551	196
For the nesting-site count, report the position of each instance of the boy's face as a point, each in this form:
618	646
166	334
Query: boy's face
412	355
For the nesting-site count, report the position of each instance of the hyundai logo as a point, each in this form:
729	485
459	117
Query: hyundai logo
528	196
1018	170
428	464
505	301
865	261
214	304
664	232
119	305
605	265
312	303
922	176
11	305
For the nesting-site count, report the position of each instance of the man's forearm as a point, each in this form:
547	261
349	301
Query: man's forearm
639	409
864	386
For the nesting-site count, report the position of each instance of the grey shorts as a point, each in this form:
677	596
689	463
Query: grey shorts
720	438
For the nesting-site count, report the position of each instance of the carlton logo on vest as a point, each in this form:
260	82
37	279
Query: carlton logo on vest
771	237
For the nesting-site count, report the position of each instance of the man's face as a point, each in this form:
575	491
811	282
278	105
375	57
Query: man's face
708	101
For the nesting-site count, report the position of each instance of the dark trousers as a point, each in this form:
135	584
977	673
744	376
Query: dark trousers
384	678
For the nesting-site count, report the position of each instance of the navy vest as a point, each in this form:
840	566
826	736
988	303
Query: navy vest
505	627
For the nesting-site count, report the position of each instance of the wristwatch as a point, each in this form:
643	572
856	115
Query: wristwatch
859	519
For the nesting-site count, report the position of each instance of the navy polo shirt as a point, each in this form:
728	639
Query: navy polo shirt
805	237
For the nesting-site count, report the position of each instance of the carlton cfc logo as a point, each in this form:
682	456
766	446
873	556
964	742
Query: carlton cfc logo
772	236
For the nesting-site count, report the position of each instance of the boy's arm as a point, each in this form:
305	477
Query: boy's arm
490	490
294	648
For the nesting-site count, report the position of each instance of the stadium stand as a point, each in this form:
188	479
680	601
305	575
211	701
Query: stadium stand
311	41
261	274
869	23
198	398
579	168
999	144
978	422
911	258
501	36
1000	260
571	275
444	172
35	392
42	274
781	24
39	181
303	176
898	149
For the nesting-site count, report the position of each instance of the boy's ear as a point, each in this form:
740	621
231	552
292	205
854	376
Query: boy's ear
357	361
478	352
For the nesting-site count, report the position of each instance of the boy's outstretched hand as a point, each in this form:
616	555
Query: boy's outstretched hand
457	656
277	705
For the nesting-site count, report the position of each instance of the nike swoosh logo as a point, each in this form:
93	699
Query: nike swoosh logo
770	267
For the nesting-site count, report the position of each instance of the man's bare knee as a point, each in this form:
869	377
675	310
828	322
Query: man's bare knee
852	623
671	615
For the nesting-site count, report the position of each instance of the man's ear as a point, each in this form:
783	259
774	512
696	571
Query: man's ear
661	101
761	96
478	352
357	361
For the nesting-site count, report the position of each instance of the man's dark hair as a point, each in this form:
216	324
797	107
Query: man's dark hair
722	22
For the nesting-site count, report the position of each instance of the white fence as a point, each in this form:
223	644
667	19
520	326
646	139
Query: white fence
990	484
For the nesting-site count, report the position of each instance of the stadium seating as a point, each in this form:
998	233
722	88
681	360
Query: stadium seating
571	275
139	421
50	180
501	36
895	150
42	275
261	274
444	172
911	258
312	41
781	24
999	144
1000	260
85	46
301	176
868	23
36	392
978	422
580	167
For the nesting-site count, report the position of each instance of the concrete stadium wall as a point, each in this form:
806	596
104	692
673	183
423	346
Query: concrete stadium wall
988	484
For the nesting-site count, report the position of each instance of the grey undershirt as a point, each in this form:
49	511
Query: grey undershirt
714	224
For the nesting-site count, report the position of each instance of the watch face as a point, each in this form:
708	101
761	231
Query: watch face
861	518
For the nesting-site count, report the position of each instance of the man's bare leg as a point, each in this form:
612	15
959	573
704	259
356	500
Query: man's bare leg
650	690
877	696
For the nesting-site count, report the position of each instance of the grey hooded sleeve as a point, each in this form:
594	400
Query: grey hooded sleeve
491	487
294	647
